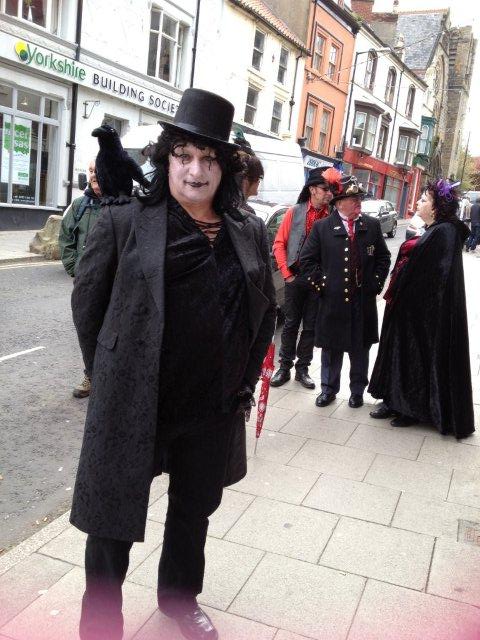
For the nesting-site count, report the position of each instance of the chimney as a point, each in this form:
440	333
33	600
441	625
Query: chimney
396	4
363	8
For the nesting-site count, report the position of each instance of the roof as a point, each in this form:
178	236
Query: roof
421	31
260	10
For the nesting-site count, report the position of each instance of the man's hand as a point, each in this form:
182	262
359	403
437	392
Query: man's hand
290	279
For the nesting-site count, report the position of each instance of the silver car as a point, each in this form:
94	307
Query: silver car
384	212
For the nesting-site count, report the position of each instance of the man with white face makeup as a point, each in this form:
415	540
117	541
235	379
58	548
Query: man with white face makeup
174	307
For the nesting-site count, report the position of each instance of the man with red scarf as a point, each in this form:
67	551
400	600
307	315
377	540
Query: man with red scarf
300	301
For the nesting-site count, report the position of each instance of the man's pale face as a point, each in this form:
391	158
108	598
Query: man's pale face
92	179
350	207
194	174
320	195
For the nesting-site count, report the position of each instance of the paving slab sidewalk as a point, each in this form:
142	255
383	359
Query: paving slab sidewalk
14	247
344	529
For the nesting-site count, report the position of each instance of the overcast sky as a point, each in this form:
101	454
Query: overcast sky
462	12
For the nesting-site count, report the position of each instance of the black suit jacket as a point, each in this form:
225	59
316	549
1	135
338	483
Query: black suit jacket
118	311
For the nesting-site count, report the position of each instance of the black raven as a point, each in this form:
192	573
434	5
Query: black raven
115	169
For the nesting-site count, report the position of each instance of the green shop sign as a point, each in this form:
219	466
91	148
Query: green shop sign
31	55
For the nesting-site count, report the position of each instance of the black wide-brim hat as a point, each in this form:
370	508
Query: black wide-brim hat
349	187
204	114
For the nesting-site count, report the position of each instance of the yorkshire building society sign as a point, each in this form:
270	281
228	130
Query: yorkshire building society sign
34	56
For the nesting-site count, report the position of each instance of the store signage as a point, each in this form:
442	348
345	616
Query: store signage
312	163
54	64
21	150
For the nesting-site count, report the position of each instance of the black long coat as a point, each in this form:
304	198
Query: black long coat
325	258
118	310
423	363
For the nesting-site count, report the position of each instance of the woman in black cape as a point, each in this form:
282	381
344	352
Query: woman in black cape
422	370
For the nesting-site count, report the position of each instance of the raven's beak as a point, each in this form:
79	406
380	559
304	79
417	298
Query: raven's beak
96	132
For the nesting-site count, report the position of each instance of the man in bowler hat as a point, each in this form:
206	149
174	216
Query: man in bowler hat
300	301
174	306
345	260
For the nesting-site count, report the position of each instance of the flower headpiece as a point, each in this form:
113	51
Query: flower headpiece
445	188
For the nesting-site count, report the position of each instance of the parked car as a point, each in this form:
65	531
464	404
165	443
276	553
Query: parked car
384	212
272	214
416	227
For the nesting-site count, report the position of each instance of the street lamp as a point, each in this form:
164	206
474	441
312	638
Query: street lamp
352	82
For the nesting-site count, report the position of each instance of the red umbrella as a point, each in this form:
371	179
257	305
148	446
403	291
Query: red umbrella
267	372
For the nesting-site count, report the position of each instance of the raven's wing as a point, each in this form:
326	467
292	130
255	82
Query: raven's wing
135	171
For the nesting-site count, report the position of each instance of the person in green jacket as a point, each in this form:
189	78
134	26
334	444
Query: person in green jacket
78	221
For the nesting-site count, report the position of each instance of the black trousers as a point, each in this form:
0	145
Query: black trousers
332	359
474	237
197	465
301	305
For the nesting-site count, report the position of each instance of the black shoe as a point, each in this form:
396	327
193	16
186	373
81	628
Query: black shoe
355	401
280	377
324	399
382	411
403	421
304	379
193	622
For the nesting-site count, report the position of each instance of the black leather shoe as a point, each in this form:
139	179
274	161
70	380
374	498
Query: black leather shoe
304	379
280	377
355	401
324	399
403	421
382	412
194	624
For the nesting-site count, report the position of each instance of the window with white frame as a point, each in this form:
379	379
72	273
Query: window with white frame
410	101
425	142
116	123
333	58
29	140
43	13
258	49
165	47
282	65
324	131
318	52
251	105
276	116
382	142
364	130
390	87
406	149
370	70
310	124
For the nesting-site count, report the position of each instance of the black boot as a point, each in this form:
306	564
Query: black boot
280	377
193	622
305	380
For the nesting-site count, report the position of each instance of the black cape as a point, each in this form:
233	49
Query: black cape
423	363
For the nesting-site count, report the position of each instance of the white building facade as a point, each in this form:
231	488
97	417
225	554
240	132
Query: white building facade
383	122
251	57
63	74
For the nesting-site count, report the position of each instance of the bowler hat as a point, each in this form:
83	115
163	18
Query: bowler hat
349	187
204	114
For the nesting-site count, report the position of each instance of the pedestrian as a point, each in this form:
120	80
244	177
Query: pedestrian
174	306
252	175
422	371
474	237
464	208
300	301
77	224
346	261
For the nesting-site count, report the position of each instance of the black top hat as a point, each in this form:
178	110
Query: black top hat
349	187
204	114
315	176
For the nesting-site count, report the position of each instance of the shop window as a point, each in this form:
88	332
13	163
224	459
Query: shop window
410	102
393	189
258	48
333	59
165	47
319	52
363	176
382	142
364	130
282	66
390	88
251	105
324	131
310	124
28	149
370	70
6	95
276	116
43	13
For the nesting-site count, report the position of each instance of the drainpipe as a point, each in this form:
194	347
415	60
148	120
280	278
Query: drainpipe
73	116
195	38
292	99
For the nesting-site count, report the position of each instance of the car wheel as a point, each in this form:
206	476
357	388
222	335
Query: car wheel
391	234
